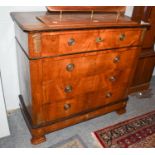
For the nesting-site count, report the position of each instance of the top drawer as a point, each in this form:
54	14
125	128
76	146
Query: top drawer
67	42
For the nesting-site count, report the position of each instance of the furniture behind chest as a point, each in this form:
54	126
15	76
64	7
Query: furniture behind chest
74	66
146	62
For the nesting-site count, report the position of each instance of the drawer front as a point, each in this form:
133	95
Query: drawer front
61	88
81	41
80	104
65	108
83	65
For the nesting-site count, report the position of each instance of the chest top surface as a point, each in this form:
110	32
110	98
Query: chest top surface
47	21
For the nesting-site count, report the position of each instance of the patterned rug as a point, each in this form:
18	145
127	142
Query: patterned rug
72	142
138	132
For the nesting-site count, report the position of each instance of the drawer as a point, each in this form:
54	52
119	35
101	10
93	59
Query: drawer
60	88
82	65
80	104
65	108
58	43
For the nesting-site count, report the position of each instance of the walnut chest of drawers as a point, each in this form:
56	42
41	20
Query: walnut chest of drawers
72	72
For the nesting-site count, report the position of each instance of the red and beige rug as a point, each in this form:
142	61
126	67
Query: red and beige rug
138	132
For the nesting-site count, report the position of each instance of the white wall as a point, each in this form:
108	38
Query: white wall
8	60
8	53
4	127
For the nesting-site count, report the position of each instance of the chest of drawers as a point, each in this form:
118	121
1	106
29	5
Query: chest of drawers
73	73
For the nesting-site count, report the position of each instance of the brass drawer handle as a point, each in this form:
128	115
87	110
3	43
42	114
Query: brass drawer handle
71	41
68	89
122	37
112	79
116	59
99	39
70	67
67	106
109	95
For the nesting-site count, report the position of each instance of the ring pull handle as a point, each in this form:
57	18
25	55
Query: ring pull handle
116	59
122	37
109	95
71	41
99	39
70	67
68	89
67	106
112	79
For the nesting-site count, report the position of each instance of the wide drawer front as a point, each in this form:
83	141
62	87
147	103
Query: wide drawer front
83	103
58	43
90	64
61	89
